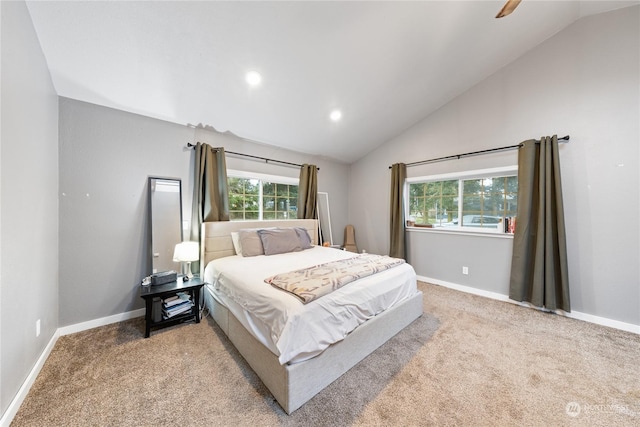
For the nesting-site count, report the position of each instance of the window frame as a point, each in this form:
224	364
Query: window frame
263	177
503	171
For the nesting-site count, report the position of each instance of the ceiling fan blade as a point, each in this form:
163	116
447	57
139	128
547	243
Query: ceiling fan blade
508	7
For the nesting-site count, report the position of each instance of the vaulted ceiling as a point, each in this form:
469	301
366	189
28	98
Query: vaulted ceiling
384	65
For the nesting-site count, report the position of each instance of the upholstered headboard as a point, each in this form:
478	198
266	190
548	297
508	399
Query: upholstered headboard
216	236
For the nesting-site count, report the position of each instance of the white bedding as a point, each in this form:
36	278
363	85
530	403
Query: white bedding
291	330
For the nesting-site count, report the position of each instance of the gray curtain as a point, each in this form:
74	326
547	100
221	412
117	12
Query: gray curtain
308	192
398	176
210	191
539	262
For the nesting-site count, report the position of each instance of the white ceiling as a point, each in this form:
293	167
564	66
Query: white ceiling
386	65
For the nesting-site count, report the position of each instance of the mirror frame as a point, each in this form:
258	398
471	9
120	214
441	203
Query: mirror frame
150	181
324	217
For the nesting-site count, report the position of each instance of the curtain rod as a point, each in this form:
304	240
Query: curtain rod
266	160
475	153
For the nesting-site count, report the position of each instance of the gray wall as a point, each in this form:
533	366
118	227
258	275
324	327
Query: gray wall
106	156
28	201
583	81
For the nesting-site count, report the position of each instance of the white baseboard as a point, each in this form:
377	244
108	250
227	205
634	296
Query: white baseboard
79	327
628	327
467	289
616	324
12	410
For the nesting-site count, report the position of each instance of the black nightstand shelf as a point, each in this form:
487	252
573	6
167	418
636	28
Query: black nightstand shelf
148	293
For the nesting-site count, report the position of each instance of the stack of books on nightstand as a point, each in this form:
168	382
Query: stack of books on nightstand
177	304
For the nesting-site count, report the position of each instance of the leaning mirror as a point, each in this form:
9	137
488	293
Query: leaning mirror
324	218
165	220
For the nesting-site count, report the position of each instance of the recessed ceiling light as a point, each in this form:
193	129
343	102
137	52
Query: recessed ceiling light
254	78
335	115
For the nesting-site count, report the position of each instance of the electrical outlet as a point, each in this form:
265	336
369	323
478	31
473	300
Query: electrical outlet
465	270
37	328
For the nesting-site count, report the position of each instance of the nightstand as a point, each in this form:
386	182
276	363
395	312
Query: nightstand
149	293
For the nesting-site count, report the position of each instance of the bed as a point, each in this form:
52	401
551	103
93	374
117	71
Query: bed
295	369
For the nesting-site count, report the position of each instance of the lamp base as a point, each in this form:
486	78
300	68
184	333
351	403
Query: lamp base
189	275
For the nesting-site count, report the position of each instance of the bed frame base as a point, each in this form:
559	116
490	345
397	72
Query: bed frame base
293	385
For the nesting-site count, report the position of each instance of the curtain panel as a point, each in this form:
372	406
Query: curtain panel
308	192
396	214
539	270
210	200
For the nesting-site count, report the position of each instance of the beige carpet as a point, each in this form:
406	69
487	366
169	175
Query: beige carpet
467	361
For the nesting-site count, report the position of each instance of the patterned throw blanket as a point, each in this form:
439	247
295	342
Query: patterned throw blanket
314	282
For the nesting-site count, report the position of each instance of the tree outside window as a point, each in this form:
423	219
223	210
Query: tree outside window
487	200
434	203
256	199
482	202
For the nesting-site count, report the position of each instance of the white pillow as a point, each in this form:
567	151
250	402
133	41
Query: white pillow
235	238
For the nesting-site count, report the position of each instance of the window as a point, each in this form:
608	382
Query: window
434	203
486	201
474	200
261	197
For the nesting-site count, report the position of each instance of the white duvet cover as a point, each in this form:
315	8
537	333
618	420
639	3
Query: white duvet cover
291	330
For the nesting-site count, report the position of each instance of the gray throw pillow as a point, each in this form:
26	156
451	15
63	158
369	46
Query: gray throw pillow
279	241
303	235
250	243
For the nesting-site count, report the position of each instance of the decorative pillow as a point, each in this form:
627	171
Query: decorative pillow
235	238
279	241
250	243
303	235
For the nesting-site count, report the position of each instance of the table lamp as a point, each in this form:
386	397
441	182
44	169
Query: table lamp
187	252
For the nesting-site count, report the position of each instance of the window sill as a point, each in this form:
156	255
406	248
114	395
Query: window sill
466	232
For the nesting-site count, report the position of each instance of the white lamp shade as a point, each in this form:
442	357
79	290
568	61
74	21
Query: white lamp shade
186	252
